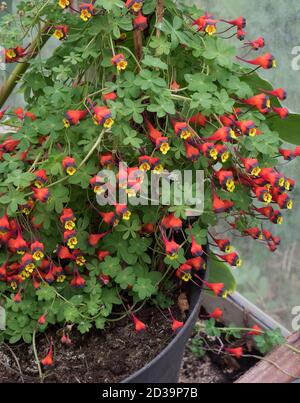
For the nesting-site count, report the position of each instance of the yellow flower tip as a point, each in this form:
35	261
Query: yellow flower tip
122	65
14	285
70	225
185	134
11	54
108	123
145	167
229	249
71	171
230	185
232	134
164	148
274	64
38	184
280	220
66	123
268	104
123	36
290	205
252	132
256	171
127	216
225	294
39	255
214	154
158	169
186	277
81	260
85	15
239	263
210	30
64	3
61	279
137	6
30	267
20	252
72	242
225	157
281	182
173	257
25	211
58	34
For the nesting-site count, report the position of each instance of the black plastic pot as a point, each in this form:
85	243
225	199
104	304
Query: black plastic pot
166	366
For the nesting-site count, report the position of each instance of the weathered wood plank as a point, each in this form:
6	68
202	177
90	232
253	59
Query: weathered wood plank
287	360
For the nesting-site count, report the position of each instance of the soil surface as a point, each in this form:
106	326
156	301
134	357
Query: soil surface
98	357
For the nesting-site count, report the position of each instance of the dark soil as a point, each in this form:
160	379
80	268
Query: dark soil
98	357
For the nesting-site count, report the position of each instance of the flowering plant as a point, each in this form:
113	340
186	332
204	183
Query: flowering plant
156	86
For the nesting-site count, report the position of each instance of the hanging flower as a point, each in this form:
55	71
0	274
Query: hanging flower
78	281
233	259
279	93
266	61
221	206
120	62
226	180
135	5
247	127
257	44
140	22
216	314
61	32
18	245
64	3
192	153
68	219
94	239
184	272
69	165
4	225
103	116
41	178
283	113
73	117
261	102
198	120
182	129
70	238
172	222
42	194
224	134
236	352
37	250
86	11
102	254
47	362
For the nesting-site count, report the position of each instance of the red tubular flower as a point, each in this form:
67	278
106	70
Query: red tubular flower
3	271
198	120
13	55
288	155
216	288
276	217
222	152
122	211
171	222
78	281
260	101
284	201
216	314
257	44
65	339
102	254
221	206
47	362
27	263
61	32
175	323
247	127
145	163
106	160
256	331
254	232
233	259
69	165
240	22
109	218
266	61
4	225
120	62
228	120
162	143
226	179
68	219
241	34
73	117
171	248
196	249
37	250
140	22
42	319
41	194
283	113
2	112
18	245
236	352
64	253
209	150
148	229
110	96
290	184
86	11
272	177
103	116
224	134
206	24
266	211
184	272
41	178
192	153
94	239
251	165
224	245
263	195
18	297
279	93
70	238
182	129
9	145
153	133
197	263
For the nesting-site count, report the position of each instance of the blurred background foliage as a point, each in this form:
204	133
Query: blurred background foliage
272	281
